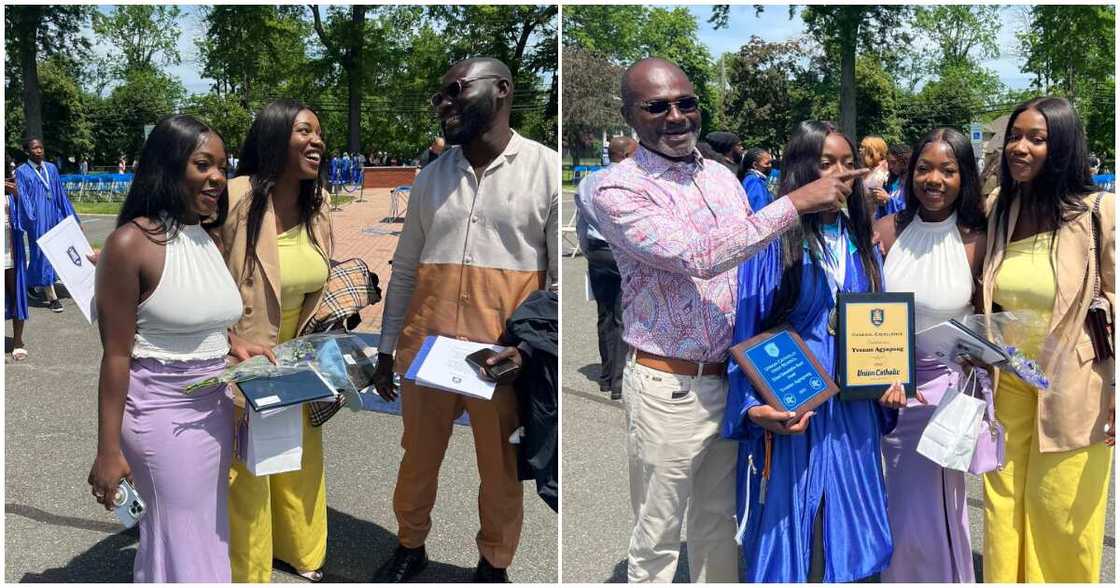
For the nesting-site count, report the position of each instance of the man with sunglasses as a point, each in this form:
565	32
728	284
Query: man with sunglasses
479	237
678	227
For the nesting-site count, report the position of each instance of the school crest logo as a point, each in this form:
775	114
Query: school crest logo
790	400
816	384
877	317
74	257
772	350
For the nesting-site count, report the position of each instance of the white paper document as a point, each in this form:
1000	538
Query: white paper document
445	367
66	248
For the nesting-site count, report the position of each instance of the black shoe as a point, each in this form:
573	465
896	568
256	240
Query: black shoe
55	305
34	294
616	394
604	387
488	574
404	564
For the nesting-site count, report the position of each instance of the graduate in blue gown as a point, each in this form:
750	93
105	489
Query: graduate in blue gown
15	278
42	193
828	463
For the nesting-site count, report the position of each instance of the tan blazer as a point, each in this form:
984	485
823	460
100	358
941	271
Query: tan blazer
1072	414
260	291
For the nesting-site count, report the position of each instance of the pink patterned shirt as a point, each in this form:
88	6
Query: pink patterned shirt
678	231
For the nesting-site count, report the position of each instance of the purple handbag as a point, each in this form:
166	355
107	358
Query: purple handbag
989	454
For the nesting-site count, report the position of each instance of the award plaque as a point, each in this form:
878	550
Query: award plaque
875	344
784	371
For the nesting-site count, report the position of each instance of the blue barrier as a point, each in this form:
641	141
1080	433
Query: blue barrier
1106	182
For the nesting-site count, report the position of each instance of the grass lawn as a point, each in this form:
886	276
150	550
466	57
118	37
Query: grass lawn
113	208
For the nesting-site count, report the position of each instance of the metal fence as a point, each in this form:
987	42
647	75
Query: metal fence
97	187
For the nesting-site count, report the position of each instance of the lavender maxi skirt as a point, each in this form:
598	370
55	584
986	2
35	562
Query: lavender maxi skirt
926	503
179	448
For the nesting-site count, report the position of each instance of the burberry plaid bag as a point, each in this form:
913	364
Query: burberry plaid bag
350	288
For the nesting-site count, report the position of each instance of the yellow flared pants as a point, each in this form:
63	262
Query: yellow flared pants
282	515
1044	512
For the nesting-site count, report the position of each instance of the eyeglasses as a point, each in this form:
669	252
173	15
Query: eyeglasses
454	89
658	107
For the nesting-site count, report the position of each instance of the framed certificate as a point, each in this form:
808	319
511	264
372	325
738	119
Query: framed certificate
784	371
874	344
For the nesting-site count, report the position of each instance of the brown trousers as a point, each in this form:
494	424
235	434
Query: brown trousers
428	415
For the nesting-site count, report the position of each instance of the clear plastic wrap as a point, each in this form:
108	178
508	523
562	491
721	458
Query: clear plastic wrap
1023	335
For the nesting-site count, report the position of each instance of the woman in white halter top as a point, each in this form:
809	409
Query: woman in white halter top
165	302
934	248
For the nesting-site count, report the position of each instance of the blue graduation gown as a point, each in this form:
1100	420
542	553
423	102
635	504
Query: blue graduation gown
15	300
895	203
837	459
44	211
758	195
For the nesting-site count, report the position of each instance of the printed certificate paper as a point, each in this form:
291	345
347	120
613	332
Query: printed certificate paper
441	364
66	248
875	344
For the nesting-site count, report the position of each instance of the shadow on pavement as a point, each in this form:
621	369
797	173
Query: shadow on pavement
591	372
355	548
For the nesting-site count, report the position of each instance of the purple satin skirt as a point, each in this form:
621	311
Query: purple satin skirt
926	503
179	448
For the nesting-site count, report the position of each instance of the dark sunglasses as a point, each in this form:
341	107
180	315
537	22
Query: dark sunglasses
685	105
454	89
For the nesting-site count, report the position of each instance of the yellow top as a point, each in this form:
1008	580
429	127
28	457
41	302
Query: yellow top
1026	282
303	271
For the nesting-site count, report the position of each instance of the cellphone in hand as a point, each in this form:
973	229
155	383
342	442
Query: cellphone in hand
503	372
127	504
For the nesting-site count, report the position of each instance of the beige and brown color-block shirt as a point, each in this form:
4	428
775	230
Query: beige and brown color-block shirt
472	248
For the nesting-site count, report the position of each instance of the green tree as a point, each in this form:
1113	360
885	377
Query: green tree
766	98
143	97
243	41
224	113
31	34
1071	50
591	101
145	36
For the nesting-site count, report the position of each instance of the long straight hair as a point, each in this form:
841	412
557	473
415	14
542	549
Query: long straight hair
968	206
157	191
1057	191
800	166
263	158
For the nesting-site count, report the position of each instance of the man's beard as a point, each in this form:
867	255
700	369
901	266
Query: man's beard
474	119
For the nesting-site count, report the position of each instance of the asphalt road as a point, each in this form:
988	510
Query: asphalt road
596	504
55	532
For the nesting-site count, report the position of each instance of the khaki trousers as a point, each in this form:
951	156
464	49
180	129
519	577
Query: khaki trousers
679	462
428	415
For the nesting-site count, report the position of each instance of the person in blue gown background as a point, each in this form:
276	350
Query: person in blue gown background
754	174
15	277
41	192
823	516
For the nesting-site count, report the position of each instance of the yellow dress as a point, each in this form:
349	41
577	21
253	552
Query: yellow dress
283	515
1042	511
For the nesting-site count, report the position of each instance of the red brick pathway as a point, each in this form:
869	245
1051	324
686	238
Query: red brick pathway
375	250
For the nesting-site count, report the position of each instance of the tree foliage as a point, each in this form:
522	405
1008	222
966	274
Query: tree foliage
144	36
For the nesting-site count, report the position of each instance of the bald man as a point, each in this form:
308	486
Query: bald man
479	237
602	272
679	226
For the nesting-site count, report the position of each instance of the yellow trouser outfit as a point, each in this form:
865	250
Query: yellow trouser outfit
283	515
1043	512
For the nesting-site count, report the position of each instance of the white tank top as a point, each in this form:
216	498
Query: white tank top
928	259
195	302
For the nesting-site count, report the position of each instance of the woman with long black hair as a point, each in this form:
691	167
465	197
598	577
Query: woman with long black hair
1051	251
823	515
934	248
164	304
278	242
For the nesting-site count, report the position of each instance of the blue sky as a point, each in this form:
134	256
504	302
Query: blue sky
774	24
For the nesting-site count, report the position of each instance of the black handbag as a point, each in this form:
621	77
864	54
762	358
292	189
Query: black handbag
1099	319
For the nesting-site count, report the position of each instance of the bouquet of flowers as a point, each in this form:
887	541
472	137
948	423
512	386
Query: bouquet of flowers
1022	335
